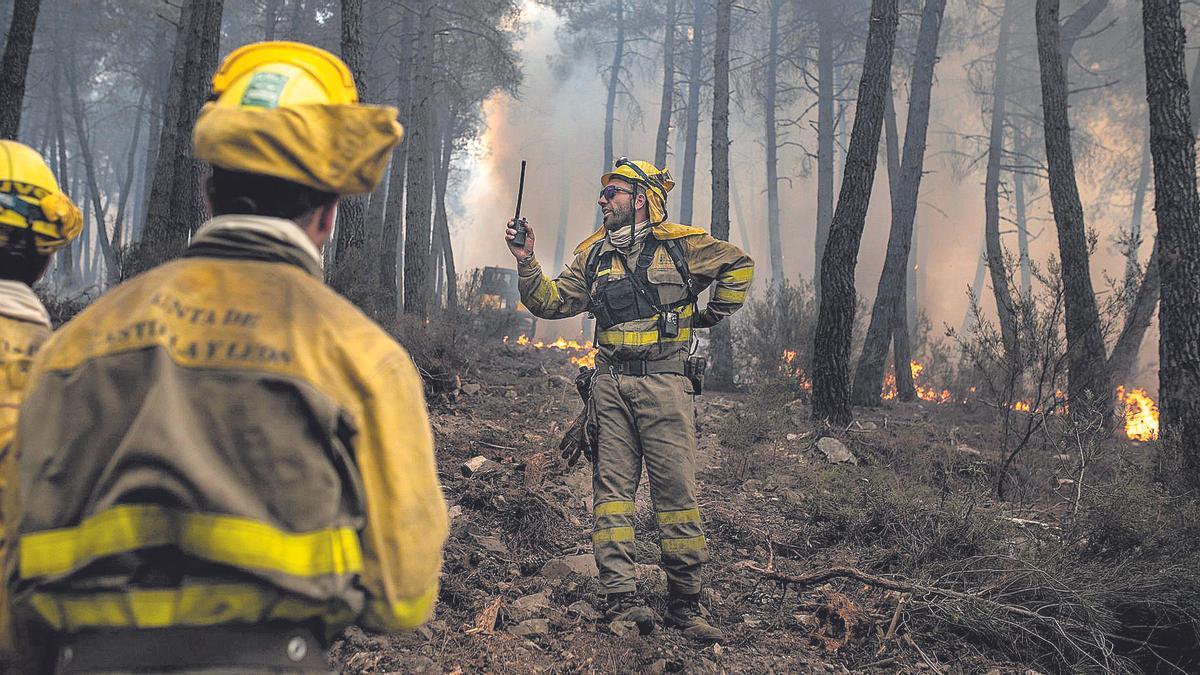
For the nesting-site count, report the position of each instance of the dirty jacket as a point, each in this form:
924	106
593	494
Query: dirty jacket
24	326
709	260
225	440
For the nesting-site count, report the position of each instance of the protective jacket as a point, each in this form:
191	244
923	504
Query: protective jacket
225	440
24	326
584	284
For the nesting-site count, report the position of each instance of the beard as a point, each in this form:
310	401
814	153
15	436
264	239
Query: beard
618	216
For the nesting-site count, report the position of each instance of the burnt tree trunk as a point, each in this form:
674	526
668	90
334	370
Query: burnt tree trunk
722	337
825	133
352	274
614	85
889	295
687	185
668	88
187	205
835	319
1087	372
419	187
14	66
1177	206
772	146
442	218
112	272
1005	307
391	232
1133	269
905	390
1022	225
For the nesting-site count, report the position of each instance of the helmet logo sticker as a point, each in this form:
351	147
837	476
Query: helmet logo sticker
264	90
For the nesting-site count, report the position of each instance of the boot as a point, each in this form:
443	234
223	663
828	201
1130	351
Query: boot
629	607
683	612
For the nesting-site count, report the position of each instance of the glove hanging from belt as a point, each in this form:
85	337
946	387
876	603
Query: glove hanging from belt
583	438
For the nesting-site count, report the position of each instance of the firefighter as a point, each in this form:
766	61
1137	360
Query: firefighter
223	462
641	277
36	219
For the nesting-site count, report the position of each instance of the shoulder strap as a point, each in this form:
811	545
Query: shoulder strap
675	249
592	268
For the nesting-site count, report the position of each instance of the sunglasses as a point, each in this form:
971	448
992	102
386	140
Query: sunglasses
611	191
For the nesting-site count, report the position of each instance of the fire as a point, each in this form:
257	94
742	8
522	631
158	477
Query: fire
788	367
585	353
1141	414
924	392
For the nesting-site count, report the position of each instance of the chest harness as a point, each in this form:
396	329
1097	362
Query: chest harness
632	296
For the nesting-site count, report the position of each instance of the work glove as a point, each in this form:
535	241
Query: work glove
580	440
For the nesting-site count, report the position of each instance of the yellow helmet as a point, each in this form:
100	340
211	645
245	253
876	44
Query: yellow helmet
31	200
291	111
656	182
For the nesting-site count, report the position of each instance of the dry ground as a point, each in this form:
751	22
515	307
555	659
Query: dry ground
518	591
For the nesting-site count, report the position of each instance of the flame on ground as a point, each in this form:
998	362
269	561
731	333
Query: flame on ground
585	353
1141	414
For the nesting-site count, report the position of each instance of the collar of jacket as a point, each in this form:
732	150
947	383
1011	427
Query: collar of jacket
18	301
661	232
243	237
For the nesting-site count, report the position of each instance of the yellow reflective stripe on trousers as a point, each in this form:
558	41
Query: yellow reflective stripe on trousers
684	545
224	539
191	605
612	534
723	294
614	509
738	275
615	338
403	614
675	517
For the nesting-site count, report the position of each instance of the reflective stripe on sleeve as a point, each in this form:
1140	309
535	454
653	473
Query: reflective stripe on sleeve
741	275
239	542
723	294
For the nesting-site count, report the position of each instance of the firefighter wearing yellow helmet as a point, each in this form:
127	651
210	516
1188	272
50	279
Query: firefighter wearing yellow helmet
241	463
641	276
36	219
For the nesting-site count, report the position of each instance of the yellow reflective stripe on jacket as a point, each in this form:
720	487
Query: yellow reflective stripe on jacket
403	614
691	515
612	534
614	509
191	605
545	292
225	539
639	338
684	545
741	275
722	294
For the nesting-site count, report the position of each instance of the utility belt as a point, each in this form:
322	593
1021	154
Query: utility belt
692	368
270	647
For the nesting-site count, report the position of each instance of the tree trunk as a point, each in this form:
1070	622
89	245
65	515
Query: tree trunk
442	222
175	207
391	233
1133	269
15	65
668	88
419	188
825	131
614	83
564	211
1177	206
119	226
905	390
271	18
721	334
1086	364
772	146
1022	225
1005	307
687	186
111	269
835	319
889	296
352	275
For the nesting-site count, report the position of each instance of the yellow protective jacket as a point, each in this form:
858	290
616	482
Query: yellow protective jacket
709	261
225	440
24	326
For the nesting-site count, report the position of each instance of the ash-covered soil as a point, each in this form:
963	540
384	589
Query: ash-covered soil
518	588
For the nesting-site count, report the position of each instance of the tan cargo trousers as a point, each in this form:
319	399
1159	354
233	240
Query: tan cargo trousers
647	418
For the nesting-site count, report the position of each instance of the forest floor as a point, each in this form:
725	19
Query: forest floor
519	592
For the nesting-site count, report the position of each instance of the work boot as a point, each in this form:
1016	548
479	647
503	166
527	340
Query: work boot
629	607
683	612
